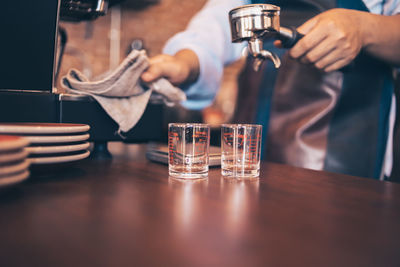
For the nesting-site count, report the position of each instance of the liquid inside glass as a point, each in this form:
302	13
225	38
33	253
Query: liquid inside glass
188	146
241	150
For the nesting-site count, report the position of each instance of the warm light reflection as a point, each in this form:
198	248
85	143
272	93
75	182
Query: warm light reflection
241	196
187	194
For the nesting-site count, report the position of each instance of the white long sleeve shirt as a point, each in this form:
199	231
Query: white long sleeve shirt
208	35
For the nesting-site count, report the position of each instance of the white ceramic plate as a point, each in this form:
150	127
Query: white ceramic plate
45	139
59	159
42	128
7	170
14	179
8	142
57	149
13	156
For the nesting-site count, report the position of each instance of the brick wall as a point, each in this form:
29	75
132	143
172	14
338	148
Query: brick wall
88	47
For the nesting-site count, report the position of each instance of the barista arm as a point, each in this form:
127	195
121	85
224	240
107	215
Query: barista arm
334	38
382	37
201	50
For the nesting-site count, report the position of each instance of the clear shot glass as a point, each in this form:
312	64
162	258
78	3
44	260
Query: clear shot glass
188	148
240	150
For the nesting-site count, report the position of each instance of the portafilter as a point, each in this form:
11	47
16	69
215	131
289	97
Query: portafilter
257	22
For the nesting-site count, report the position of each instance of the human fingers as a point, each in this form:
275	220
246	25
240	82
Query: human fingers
320	51
312	36
342	41
336	54
328	52
164	66
337	64
307	26
152	73
329	59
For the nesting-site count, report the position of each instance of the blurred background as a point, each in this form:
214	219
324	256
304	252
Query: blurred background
95	47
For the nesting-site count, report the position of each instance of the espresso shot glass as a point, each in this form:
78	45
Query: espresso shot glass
188	148
240	150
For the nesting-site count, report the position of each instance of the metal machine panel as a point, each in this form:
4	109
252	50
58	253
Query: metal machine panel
28	41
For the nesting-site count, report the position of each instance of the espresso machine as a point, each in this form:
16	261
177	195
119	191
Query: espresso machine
256	23
28	51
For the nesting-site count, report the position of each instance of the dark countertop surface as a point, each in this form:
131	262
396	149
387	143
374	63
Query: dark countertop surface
128	212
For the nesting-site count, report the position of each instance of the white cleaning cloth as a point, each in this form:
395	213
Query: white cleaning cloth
121	94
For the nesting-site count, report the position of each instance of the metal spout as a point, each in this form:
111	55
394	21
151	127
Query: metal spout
256	50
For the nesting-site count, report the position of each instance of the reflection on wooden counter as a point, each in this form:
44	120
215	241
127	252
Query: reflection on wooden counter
128	212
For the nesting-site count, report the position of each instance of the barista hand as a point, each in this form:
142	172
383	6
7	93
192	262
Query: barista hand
332	39
183	67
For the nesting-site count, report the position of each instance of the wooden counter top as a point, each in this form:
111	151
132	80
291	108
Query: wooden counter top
128	212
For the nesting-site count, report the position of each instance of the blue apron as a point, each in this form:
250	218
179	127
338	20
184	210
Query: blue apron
336	121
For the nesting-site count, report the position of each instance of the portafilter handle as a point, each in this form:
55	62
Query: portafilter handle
289	36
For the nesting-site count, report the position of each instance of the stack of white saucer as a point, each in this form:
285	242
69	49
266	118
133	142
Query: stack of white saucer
52	143
13	160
